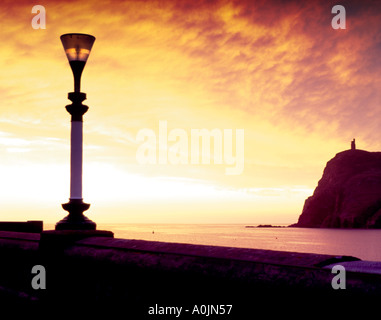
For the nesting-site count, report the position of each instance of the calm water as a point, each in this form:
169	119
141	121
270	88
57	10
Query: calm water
363	244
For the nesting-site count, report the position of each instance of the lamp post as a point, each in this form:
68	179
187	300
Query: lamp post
77	48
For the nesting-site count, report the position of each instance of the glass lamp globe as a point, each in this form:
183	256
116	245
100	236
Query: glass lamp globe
77	47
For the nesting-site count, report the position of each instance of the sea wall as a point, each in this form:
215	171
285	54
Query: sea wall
135	275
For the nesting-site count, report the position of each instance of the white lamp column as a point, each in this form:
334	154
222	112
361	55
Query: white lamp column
76	142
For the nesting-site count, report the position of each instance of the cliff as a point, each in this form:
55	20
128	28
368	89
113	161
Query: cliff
348	195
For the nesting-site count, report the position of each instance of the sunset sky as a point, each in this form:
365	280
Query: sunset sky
300	89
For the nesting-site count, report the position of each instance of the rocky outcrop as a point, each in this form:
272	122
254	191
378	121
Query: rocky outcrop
348	195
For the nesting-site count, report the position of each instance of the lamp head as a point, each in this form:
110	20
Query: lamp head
77	48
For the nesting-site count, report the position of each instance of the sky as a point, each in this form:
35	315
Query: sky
284	90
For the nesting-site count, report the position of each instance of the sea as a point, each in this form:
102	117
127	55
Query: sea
361	243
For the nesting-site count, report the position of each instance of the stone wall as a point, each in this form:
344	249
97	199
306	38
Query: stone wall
102	273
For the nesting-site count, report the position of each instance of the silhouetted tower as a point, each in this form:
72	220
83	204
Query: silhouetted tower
353	144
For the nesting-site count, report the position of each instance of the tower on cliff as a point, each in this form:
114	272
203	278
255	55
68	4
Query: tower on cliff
353	144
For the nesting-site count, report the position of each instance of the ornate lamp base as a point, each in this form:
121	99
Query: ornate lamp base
76	220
